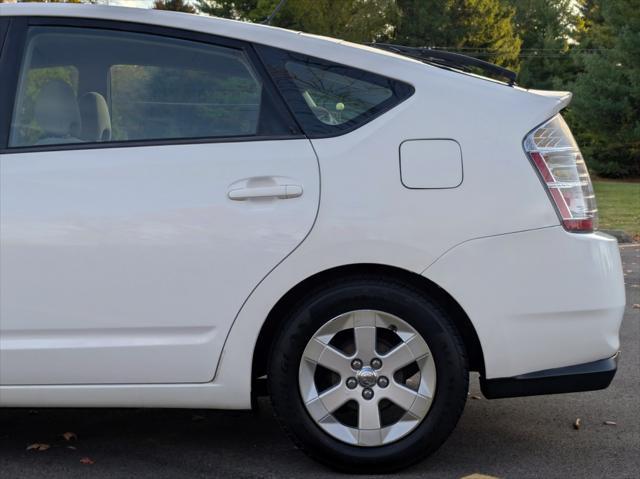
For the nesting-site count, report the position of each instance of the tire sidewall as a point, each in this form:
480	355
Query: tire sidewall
409	305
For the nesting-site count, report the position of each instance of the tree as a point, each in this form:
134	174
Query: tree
174	5
483	28
606	106
591	29
355	20
234	9
546	28
56	1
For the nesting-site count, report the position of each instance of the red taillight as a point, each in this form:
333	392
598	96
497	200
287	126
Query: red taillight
556	156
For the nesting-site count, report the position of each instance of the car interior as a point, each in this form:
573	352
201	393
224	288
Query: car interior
140	87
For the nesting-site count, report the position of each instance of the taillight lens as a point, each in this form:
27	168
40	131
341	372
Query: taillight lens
556	155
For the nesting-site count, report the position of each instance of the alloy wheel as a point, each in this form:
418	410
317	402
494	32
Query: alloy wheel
367	378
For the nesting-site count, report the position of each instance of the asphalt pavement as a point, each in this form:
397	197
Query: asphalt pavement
507	438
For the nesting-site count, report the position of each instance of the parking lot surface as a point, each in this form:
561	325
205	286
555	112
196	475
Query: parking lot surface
507	438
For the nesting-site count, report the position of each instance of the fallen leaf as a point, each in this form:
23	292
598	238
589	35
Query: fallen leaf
610	423
70	436
636	306
87	460
38	446
73	448
479	476
476	397
577	423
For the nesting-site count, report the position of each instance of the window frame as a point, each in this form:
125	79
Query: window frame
275	60
10	64
4	25
10	56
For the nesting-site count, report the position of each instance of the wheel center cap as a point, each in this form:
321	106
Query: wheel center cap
367	377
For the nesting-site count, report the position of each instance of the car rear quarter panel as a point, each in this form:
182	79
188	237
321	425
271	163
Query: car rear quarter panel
366	214
539	299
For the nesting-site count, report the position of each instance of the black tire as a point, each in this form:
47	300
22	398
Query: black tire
403	301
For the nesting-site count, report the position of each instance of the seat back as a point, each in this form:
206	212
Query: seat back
96	121
56	113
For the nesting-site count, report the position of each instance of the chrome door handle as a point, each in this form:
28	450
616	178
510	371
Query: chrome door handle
280	191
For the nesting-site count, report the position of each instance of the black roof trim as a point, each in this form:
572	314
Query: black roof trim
449	60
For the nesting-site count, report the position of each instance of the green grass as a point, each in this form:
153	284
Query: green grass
619	206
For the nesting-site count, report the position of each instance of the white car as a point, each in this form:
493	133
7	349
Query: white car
196	212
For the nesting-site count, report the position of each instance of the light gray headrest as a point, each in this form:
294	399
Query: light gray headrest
56	110
96	122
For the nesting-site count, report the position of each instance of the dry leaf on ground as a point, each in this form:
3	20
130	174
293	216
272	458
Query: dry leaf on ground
70	436
479	476
610	423
87	460
577	423
38	446
636	306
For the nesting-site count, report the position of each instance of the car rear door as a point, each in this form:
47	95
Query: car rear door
145	192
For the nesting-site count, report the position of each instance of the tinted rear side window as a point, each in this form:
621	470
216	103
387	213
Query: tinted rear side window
327	98
151	101
140	87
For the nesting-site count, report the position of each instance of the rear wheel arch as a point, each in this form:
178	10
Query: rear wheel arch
278	313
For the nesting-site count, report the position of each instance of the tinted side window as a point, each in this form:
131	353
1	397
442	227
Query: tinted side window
28	128
327	98
150	101
139	87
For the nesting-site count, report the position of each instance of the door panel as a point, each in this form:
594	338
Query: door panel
128	265
144	193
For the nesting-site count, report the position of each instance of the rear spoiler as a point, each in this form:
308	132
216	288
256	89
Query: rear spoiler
561	99
448	60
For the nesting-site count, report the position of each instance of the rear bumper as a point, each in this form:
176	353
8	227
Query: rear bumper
539	300
582	377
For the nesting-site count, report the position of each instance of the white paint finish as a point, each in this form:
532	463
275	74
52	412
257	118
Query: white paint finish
195	396
526	320
538	299
366	216
128	265
431	163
